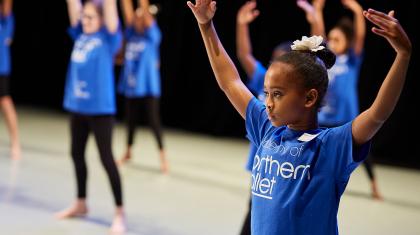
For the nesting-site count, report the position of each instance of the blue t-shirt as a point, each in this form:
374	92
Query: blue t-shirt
256	85
298	177
6	36
341	100
140	76
90	81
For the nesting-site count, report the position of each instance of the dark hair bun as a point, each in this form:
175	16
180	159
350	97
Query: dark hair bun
327	56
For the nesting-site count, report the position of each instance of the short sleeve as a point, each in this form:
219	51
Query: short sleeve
153	33
9	26
114	39
256	121
256	81
75	32
346	156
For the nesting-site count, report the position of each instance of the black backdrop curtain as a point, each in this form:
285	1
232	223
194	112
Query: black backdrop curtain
191	99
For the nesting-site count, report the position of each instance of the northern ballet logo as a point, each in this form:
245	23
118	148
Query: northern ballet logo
83	47
267	171
134	49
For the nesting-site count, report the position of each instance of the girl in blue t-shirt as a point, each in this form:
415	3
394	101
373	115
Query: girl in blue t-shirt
255	72
140	77
90	96
300	170
6	102
346	39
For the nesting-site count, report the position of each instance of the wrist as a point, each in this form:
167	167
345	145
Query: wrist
241	23
206	24
404	54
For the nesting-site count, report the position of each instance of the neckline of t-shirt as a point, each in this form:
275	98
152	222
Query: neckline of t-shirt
301	132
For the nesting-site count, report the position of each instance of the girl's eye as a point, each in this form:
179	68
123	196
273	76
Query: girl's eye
277	94
265	93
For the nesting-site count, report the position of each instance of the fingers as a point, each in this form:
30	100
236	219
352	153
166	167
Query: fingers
391	13
213	5
380	14
191	5
251	5
380	32
255	13
381	22
304	5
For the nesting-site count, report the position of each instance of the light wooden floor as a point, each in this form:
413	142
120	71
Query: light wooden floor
206	192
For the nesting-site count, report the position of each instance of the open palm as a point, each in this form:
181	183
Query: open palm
389	27
247	13
203	10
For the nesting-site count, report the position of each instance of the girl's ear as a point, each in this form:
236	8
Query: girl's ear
311	98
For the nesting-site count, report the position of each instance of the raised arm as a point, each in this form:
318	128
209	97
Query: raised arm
110	15
74	8
148	18
127	11
366	125
226	74
7	7
314	15
246	14
359	25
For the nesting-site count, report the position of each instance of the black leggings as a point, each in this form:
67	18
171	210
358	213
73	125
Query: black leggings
368	167
132	115
101	126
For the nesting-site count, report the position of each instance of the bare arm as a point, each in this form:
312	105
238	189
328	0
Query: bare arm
127	11
226	74
314	15
7	7
367	124
110	15
147	16
246	14
74	8
359	25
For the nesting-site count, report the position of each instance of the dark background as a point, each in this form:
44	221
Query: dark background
191	99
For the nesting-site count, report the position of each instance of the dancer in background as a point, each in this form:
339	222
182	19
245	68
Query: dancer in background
6	102
255	72
301	170
346	39
90	96
140	76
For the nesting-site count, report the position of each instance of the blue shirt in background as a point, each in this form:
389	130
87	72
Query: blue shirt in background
298	177
90	88
341	103
7	24
140	75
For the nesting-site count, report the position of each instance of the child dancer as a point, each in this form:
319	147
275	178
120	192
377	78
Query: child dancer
90	97
140	77
6	102
300	170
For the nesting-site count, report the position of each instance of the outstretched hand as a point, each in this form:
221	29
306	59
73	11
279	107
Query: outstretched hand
309	9
389	27
247	13
203	10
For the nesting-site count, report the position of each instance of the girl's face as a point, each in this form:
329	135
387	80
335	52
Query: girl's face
91	20
337	41
285	96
